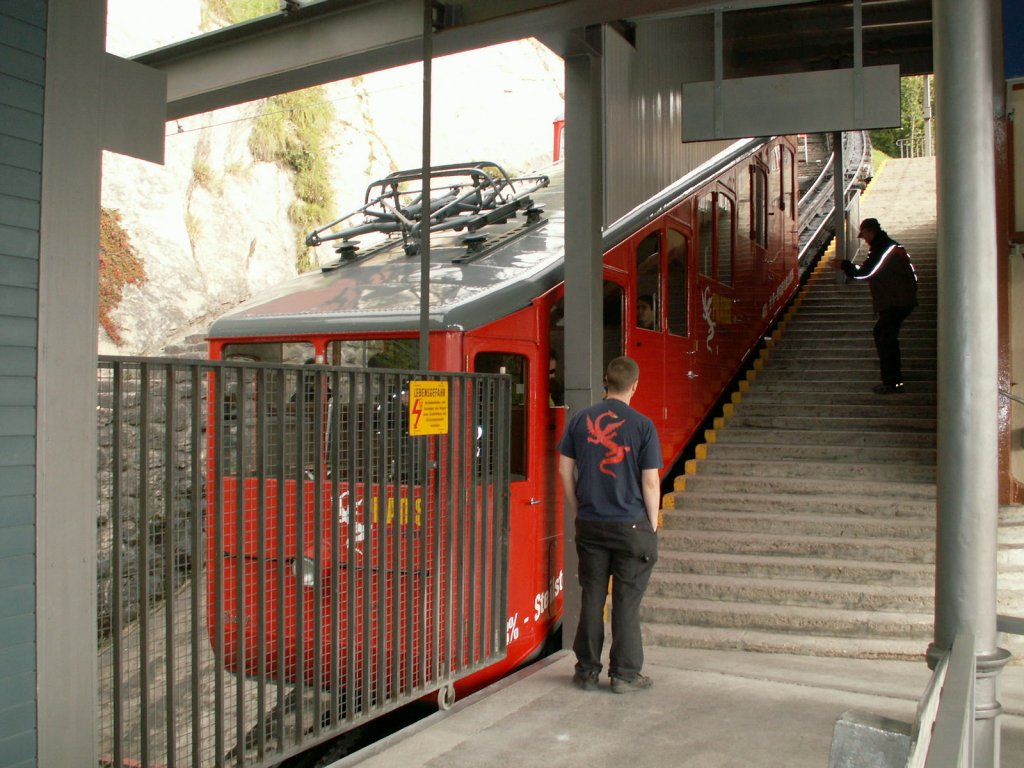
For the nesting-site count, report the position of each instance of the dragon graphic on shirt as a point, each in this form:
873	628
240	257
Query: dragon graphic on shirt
604	433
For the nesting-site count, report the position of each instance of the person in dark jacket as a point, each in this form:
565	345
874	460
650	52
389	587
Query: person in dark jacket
893	282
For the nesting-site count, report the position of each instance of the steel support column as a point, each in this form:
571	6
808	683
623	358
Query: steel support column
584	174
968	461
839	198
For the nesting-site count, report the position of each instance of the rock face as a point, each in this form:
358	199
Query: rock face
211	225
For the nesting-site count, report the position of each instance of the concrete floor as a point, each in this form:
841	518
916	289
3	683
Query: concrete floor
708	709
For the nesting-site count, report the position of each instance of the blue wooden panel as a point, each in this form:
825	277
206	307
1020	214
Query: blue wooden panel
17	390
18	331
22	35
19	182
21	153
14	271
20	123
18	212
17	602
17	451
16	632
15	420
16	571
21	64
19	361
21	717
20	748
16	481
17	541
21	94
17	510
18	656
21	243
18	302
30	11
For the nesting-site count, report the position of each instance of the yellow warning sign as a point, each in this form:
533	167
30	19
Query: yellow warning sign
428	407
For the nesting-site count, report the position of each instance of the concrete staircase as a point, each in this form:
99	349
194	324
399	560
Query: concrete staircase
806	522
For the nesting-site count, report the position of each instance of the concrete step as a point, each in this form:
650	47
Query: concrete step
827	486
853	423
806	620
880	506
848	470
737	434
843	548
866	453
798	568
742	639
786	395
861	597
797	525
864	407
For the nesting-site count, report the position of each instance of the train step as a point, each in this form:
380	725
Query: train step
862	548
805	504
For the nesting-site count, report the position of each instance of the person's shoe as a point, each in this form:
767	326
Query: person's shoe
887	389
639	683
585	681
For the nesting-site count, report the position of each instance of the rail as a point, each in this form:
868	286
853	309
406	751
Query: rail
280	561
943	734
817	205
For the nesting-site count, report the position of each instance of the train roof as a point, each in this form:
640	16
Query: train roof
475	278
502	267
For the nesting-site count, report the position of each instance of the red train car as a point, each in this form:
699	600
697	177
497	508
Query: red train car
692	280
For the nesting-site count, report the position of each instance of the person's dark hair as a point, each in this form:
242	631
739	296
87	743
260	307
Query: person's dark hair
871	225
622	373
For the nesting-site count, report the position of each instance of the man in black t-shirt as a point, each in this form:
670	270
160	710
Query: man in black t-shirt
609	462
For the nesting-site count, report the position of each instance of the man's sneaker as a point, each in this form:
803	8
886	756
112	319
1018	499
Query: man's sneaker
888	389
586	681
639	683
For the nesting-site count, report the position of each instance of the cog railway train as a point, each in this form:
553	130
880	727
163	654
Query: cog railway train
692	280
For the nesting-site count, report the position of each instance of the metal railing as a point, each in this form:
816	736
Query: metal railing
943	735
281	561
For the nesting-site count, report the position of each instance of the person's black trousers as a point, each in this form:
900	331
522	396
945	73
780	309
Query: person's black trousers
887	342
626	552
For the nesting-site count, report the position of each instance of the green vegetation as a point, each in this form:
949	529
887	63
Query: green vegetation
912	119
291	132
120	265
217	13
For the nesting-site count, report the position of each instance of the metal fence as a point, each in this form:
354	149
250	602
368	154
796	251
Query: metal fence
280	560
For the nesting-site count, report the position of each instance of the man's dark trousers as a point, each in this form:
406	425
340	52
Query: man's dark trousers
627	553
887	342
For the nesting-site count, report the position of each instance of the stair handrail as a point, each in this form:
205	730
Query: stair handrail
1011	396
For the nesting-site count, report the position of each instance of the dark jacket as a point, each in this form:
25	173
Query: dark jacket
889	272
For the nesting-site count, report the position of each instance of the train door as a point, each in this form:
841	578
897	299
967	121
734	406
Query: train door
681	377
529	578
647	329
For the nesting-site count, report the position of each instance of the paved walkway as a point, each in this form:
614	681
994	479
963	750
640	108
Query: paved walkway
708	709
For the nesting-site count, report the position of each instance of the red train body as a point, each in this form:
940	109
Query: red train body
715	258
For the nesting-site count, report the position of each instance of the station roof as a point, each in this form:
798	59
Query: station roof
326	40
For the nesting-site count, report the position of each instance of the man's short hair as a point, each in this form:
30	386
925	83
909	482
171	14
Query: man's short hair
871	225
622	373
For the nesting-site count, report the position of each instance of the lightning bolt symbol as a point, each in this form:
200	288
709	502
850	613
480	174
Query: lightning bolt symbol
417	411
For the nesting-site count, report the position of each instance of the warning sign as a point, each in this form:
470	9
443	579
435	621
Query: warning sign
428	407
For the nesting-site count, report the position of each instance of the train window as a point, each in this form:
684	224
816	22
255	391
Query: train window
788	181
400	354
759	207
613	341
677	304
556	362
517	367
648	282
725	226
705	244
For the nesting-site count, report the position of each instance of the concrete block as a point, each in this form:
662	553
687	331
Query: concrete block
864	740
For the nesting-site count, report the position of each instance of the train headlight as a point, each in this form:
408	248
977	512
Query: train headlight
304	571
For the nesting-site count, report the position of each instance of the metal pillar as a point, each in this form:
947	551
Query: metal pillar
838	197
968	460
584	173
